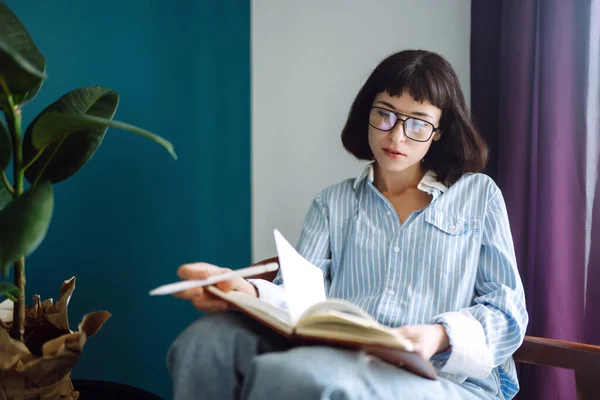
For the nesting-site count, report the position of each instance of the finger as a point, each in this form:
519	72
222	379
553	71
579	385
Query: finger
190	293
197	271
226	286
409	332
209	305
421	350
195	292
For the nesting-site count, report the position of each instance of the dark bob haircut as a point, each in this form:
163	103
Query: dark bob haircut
426	76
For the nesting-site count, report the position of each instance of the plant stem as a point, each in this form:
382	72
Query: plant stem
19	311
7	183
18	328
13	117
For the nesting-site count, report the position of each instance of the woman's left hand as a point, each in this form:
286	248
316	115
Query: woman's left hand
428	339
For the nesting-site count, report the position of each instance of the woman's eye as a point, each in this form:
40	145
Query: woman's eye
418	125
388	116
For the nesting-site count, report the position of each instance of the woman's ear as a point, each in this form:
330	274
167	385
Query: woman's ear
437	136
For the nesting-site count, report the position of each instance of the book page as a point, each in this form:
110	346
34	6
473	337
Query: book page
337	327
273	316
341	325
302	281
337	305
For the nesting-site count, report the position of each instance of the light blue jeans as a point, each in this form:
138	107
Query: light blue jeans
229	356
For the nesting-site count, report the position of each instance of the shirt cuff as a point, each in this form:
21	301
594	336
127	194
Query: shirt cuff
270	293
469	353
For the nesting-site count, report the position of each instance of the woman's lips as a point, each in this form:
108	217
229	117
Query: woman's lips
393	153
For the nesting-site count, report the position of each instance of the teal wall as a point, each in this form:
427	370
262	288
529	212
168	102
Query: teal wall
132	215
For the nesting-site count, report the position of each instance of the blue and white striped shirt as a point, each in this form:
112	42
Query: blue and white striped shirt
452	263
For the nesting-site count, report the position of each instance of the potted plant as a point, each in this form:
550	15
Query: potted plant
37	347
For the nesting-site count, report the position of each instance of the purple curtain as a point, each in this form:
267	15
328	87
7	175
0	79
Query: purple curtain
529	62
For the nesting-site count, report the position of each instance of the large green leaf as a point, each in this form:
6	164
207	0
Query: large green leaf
53	126
9	290
5	196
5	147
24	223
70	130
66	155
22	66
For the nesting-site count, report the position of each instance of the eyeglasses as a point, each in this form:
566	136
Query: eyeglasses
414	128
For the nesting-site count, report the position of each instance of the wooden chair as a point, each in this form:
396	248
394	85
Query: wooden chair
584	359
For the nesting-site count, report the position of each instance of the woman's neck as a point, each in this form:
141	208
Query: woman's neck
397	182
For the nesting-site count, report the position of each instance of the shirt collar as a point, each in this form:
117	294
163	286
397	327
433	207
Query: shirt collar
428	183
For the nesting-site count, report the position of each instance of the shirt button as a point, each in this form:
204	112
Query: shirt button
391	292
452	228
396	249
389	213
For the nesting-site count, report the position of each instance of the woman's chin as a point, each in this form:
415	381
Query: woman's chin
397	165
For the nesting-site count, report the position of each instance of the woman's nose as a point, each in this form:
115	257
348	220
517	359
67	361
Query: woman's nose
397	134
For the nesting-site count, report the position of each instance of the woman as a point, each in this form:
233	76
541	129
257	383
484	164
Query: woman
421	240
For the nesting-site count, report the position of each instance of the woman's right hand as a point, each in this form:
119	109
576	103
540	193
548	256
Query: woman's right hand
204	300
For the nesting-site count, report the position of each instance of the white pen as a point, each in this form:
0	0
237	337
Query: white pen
184	285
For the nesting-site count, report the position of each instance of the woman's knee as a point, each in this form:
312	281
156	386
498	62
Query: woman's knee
209	333
306	372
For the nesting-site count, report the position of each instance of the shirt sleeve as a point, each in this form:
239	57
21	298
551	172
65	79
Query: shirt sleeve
312	245
486	334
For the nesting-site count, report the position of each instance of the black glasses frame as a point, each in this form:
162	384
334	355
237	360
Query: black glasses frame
399	118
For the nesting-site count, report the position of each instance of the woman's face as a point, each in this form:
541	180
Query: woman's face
393	150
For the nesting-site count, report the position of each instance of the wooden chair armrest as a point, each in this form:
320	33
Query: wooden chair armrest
558	353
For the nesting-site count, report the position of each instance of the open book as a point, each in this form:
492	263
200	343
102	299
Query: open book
310	318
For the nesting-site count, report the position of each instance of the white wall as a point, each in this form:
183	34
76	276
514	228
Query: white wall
309	59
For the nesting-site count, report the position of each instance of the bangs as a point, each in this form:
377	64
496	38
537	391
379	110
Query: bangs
420	81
